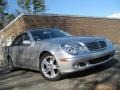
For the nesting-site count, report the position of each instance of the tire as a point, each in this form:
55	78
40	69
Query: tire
49	67
10	64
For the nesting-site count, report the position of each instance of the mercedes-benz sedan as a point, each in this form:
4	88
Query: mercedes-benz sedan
54	52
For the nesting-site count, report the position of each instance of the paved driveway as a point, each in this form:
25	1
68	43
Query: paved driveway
102	76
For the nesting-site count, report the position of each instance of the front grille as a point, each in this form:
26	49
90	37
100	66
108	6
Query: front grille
96	45
101	59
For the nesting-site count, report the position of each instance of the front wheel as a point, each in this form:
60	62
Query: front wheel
49	67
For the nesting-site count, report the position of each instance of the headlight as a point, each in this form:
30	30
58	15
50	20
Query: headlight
71	48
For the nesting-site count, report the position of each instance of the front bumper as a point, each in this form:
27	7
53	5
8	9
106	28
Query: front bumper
83	62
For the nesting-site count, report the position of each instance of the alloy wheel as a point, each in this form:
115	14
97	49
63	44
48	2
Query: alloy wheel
50	67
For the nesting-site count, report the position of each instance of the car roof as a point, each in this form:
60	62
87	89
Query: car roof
44	29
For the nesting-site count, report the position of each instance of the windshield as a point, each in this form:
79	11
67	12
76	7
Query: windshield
48	34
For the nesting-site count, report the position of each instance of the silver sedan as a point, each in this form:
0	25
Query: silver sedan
54	52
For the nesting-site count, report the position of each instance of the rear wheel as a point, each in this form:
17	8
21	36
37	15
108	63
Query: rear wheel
10	64
49	67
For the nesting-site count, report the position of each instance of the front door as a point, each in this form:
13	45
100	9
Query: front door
21	51
24	52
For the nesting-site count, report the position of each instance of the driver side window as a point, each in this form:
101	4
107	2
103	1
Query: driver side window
26	37
19	40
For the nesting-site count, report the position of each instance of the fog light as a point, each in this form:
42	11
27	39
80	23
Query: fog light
79	64
76	65
82	64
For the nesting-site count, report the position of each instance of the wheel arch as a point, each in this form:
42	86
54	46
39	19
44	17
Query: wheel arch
48	53
44	53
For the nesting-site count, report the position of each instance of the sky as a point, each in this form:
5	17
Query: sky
98	8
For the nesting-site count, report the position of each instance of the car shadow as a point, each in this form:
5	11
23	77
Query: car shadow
92	70
29	74
86	72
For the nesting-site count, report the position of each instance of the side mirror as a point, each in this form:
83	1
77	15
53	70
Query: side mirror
26	42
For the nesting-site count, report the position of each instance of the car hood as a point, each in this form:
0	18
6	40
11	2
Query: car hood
74	39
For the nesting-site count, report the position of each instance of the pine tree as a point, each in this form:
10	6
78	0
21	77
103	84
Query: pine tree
33	6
